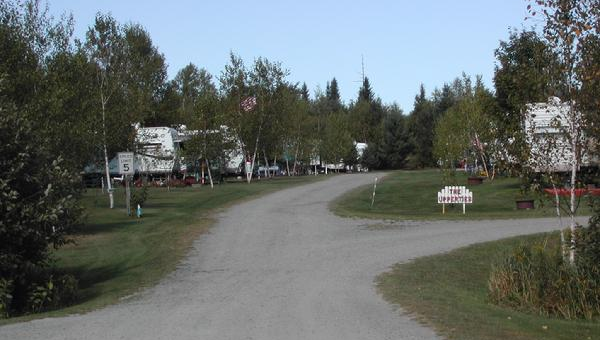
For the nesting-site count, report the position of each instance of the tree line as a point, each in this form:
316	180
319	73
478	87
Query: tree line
66	103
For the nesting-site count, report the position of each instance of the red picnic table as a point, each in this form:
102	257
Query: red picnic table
567	192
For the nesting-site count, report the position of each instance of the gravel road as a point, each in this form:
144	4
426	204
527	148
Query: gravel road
281	267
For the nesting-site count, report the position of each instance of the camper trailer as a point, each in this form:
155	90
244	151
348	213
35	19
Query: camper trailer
546	126
157	150
158	153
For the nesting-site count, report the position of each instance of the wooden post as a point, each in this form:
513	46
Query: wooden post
127	195
374	189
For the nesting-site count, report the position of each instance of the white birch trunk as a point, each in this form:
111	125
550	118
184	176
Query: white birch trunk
209	173
267	171
574	164
249	176
296	157
111	199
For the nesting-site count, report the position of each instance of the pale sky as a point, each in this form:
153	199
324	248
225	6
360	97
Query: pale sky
404	43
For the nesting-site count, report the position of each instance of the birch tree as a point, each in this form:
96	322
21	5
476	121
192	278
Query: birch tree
199	111
568	24
249	97
267	82
104	44
296	127
234	91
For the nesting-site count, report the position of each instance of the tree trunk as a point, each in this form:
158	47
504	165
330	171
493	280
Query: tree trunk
563	246
487	174
109	188
572	205
249	176
296	157
267	171
209	173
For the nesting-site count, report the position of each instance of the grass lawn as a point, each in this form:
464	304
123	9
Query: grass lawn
116	255
449	293
413	195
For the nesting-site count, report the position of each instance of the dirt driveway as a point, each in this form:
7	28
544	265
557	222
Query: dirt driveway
281	267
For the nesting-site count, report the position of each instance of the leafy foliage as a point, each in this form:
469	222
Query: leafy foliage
38	205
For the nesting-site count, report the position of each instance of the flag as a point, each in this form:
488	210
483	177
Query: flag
248	104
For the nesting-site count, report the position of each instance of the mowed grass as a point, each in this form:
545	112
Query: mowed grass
449	293
413	195
116	255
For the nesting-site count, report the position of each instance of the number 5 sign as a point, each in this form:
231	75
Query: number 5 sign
125	163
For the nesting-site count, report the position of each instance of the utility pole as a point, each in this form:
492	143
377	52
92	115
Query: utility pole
362	65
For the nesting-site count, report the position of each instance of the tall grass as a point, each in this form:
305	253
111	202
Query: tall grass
536	278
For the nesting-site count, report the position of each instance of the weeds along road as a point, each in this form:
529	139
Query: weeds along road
281	267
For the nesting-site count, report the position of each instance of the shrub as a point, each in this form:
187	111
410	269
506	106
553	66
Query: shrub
52	293
588	245
5	297
139	196
38	205
535	278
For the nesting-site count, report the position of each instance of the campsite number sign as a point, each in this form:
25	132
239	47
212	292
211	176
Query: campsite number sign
126	163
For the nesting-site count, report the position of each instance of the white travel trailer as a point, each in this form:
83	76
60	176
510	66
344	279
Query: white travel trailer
158	152
234	158
546	126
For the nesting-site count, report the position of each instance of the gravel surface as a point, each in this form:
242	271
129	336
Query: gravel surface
281	267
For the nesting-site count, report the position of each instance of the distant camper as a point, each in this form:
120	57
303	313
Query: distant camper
159	153
545	122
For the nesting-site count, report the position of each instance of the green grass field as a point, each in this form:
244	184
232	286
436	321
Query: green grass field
116	255
449	293
413	195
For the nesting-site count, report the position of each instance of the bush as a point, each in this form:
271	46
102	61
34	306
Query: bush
588	245
52	293
139	196
5	297
535	278
38	206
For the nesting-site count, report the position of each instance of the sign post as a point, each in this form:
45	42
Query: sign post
126	169
374	188
455	194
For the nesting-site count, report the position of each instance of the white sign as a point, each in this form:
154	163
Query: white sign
454	194
126	163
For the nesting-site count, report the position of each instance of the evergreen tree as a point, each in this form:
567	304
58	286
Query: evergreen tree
365	93
422	123
304	92
332	94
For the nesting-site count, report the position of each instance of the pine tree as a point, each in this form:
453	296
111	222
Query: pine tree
304	92
422	124
365	92
332	93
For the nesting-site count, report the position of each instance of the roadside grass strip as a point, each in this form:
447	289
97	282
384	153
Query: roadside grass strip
449	292
412	195
115	256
